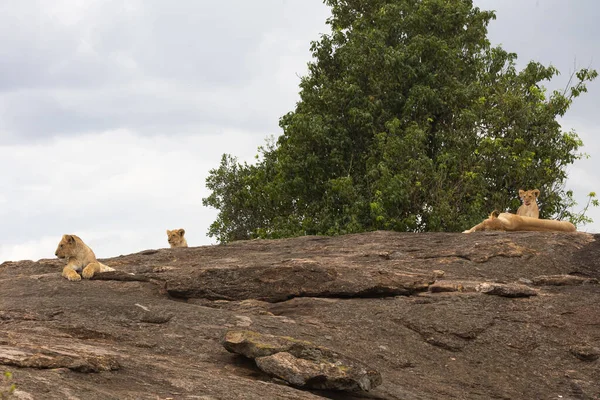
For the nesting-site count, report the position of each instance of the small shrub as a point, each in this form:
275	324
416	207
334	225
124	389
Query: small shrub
7	388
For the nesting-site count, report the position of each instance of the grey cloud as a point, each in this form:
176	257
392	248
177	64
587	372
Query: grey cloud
35	115
41	116
203	43
106	53
556	32
561	33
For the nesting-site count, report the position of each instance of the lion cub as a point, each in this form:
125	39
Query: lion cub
529	207
78	256
176	239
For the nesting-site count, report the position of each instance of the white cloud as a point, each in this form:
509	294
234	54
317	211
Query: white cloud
116	188
30	249
583	178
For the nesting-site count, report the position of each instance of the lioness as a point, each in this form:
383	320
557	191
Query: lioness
176	239
529	208
511	222
78	256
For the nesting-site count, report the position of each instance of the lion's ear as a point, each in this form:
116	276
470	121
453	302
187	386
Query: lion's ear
168	232
182	232
70	238
521	192
536	193
494	214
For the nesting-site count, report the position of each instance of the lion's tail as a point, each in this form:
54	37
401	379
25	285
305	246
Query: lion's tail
536	224
105	268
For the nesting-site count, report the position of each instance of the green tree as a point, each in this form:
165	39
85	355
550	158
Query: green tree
408	120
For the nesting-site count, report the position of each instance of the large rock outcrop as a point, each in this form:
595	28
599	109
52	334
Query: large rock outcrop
480	316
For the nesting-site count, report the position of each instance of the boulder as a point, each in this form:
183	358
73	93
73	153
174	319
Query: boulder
506	290
302	363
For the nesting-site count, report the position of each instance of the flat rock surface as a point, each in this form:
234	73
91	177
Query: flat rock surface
153	328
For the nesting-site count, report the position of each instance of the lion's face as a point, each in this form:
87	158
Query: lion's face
66	247
175	237
529	196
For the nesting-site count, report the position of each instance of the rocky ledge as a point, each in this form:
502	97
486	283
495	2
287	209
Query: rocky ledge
379	315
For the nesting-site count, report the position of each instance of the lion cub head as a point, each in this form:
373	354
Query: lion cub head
529	208
529	196
69	246
176	239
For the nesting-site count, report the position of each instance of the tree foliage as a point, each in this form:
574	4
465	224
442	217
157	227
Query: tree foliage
408	120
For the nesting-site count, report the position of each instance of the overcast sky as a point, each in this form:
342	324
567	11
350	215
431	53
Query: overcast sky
113	112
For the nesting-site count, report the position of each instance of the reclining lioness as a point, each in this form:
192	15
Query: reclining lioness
511	222
79	256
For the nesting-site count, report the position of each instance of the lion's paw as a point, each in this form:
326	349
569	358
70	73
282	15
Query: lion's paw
89	271
71	275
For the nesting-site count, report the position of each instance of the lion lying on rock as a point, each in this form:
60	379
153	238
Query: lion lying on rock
512	222
79	256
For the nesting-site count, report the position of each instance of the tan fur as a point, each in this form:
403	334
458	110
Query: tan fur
79	256
529	207
513	222
176	239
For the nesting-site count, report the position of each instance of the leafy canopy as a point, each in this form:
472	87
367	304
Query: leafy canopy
408	120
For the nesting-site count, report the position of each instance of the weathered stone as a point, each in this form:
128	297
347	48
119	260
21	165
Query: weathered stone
253	344
296	278
21	395
586	353
504	290
438	273
562	280
302	363
46	359
446	286
324	374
